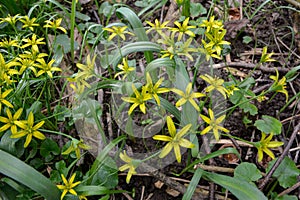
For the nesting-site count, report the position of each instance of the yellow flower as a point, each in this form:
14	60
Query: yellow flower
76	145
216	40
28	23
279	85
185	48
78	84
55	25
10	121
183	29
10	19
230	89
138	100
125	69
208	51
215	84
3	100
157	26
68	186
6	71
213	124
34	42
265	57
46	68
33	55
29	129
8	43
170	52
175	140
117	31
264	144
211	24
25	63
154	90
131	164
88	70
188	95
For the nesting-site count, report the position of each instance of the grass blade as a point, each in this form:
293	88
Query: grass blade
27	175
137	27
193	184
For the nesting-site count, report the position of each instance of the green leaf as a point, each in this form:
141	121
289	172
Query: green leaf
247	39
286	173
96	190
61	167
12	145
268	125
193	184
292	74
64	41
107	175
287	197
49	149
197	9
82	17
25	174
239	188
249	107
101	157
247	171
106	9
137	27
217	153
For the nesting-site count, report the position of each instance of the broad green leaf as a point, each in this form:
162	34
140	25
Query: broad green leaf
249	107
82	17
247	171
268	125
12	145
286	173
25	174
49	149
64	41
247	39
247	83
106	9
107	175
61	167
193	184
197	9
101	157
239	188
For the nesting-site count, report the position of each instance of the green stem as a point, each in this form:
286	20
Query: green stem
73	12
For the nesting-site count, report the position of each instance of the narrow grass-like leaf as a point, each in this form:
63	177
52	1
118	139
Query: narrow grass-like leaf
135	47
193	184
27	175
96	190
170	108
137	27
158	63
239	188
212	155
72	28
12	6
